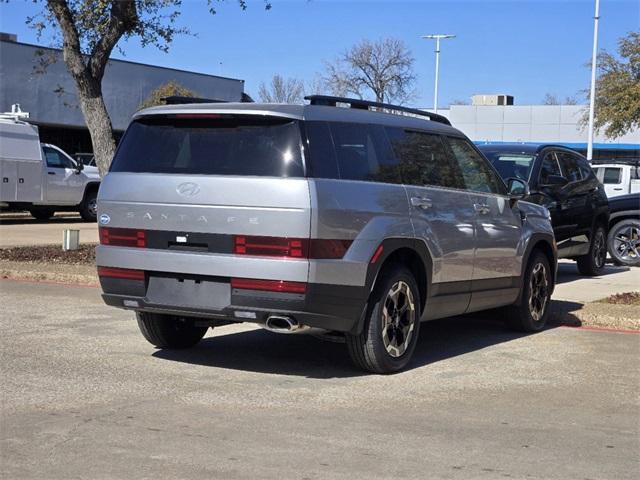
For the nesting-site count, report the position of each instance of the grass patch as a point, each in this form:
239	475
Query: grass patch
51	254
627	298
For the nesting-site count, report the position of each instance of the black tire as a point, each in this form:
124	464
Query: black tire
531	312
88	207
169	331
594	262
42	213
369	350
623	242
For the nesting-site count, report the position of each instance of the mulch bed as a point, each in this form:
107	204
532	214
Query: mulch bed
627	298
85	255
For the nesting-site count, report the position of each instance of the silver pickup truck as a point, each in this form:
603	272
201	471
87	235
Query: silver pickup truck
41	178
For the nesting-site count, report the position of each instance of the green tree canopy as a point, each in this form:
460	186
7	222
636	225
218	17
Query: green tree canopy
617	100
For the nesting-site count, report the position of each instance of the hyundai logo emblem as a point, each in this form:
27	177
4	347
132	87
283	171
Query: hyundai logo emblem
104	219
188	189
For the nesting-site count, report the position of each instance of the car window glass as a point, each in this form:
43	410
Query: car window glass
363	153
243	145
476	172
585	168
569	166
55	159
423	159
509	164
635	173
549	167
611	175
321	156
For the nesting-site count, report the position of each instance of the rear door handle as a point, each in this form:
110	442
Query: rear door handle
421	202
481	208
51	173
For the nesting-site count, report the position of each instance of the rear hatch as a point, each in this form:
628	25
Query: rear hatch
207	184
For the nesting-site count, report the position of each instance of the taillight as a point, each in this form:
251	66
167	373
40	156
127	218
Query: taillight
122	237
124	273
290	247
268	285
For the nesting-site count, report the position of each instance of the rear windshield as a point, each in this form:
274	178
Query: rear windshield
211	145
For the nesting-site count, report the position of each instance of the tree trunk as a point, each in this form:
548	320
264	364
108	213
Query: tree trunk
98	122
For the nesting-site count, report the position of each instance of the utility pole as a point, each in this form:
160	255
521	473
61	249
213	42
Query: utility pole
437	38
592	94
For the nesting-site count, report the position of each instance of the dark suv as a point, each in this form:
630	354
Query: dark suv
562	180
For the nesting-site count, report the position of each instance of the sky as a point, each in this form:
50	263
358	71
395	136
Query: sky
525	48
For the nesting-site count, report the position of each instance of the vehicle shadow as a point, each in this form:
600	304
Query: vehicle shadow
303	355
568	272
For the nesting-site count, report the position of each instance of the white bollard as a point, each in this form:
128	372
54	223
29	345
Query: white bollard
70	239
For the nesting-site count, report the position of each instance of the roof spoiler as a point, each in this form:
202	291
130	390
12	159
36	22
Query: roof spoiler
180	100
330	101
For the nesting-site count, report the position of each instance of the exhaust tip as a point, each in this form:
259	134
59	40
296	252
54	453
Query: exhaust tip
281	324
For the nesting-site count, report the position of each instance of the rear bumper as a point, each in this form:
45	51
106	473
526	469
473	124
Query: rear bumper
327	307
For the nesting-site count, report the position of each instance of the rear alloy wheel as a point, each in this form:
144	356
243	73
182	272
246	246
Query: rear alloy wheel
593	263
530	314
624	242
391	328
169	331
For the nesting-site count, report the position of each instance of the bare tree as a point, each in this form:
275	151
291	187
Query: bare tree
282	90
550	99
89	30
382	69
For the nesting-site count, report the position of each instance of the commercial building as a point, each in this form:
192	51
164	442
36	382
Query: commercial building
49	94
491	119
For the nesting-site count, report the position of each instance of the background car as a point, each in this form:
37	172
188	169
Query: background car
624	230
562	180
619	179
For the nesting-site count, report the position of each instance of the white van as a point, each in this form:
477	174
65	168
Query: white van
41	178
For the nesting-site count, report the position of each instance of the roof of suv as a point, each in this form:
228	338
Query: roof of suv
304	112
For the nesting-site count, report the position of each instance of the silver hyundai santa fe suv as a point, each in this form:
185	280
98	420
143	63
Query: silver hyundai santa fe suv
326	217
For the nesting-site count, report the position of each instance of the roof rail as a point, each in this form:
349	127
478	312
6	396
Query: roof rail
330	101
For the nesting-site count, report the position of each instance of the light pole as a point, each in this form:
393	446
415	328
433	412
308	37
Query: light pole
437	38
592	94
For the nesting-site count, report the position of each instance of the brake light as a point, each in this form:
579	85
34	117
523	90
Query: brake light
268	285
124	273
122	237
290	247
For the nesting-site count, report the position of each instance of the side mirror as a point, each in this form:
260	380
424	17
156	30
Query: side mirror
556	180
79	166
518	188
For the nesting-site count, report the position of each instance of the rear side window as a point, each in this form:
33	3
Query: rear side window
351	151
569	166
477	174
423	159
211	145
585	168
611	175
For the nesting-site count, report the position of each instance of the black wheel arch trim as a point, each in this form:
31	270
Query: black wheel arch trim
389	247
88	188
536	240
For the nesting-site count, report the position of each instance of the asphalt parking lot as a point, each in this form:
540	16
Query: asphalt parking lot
84	396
